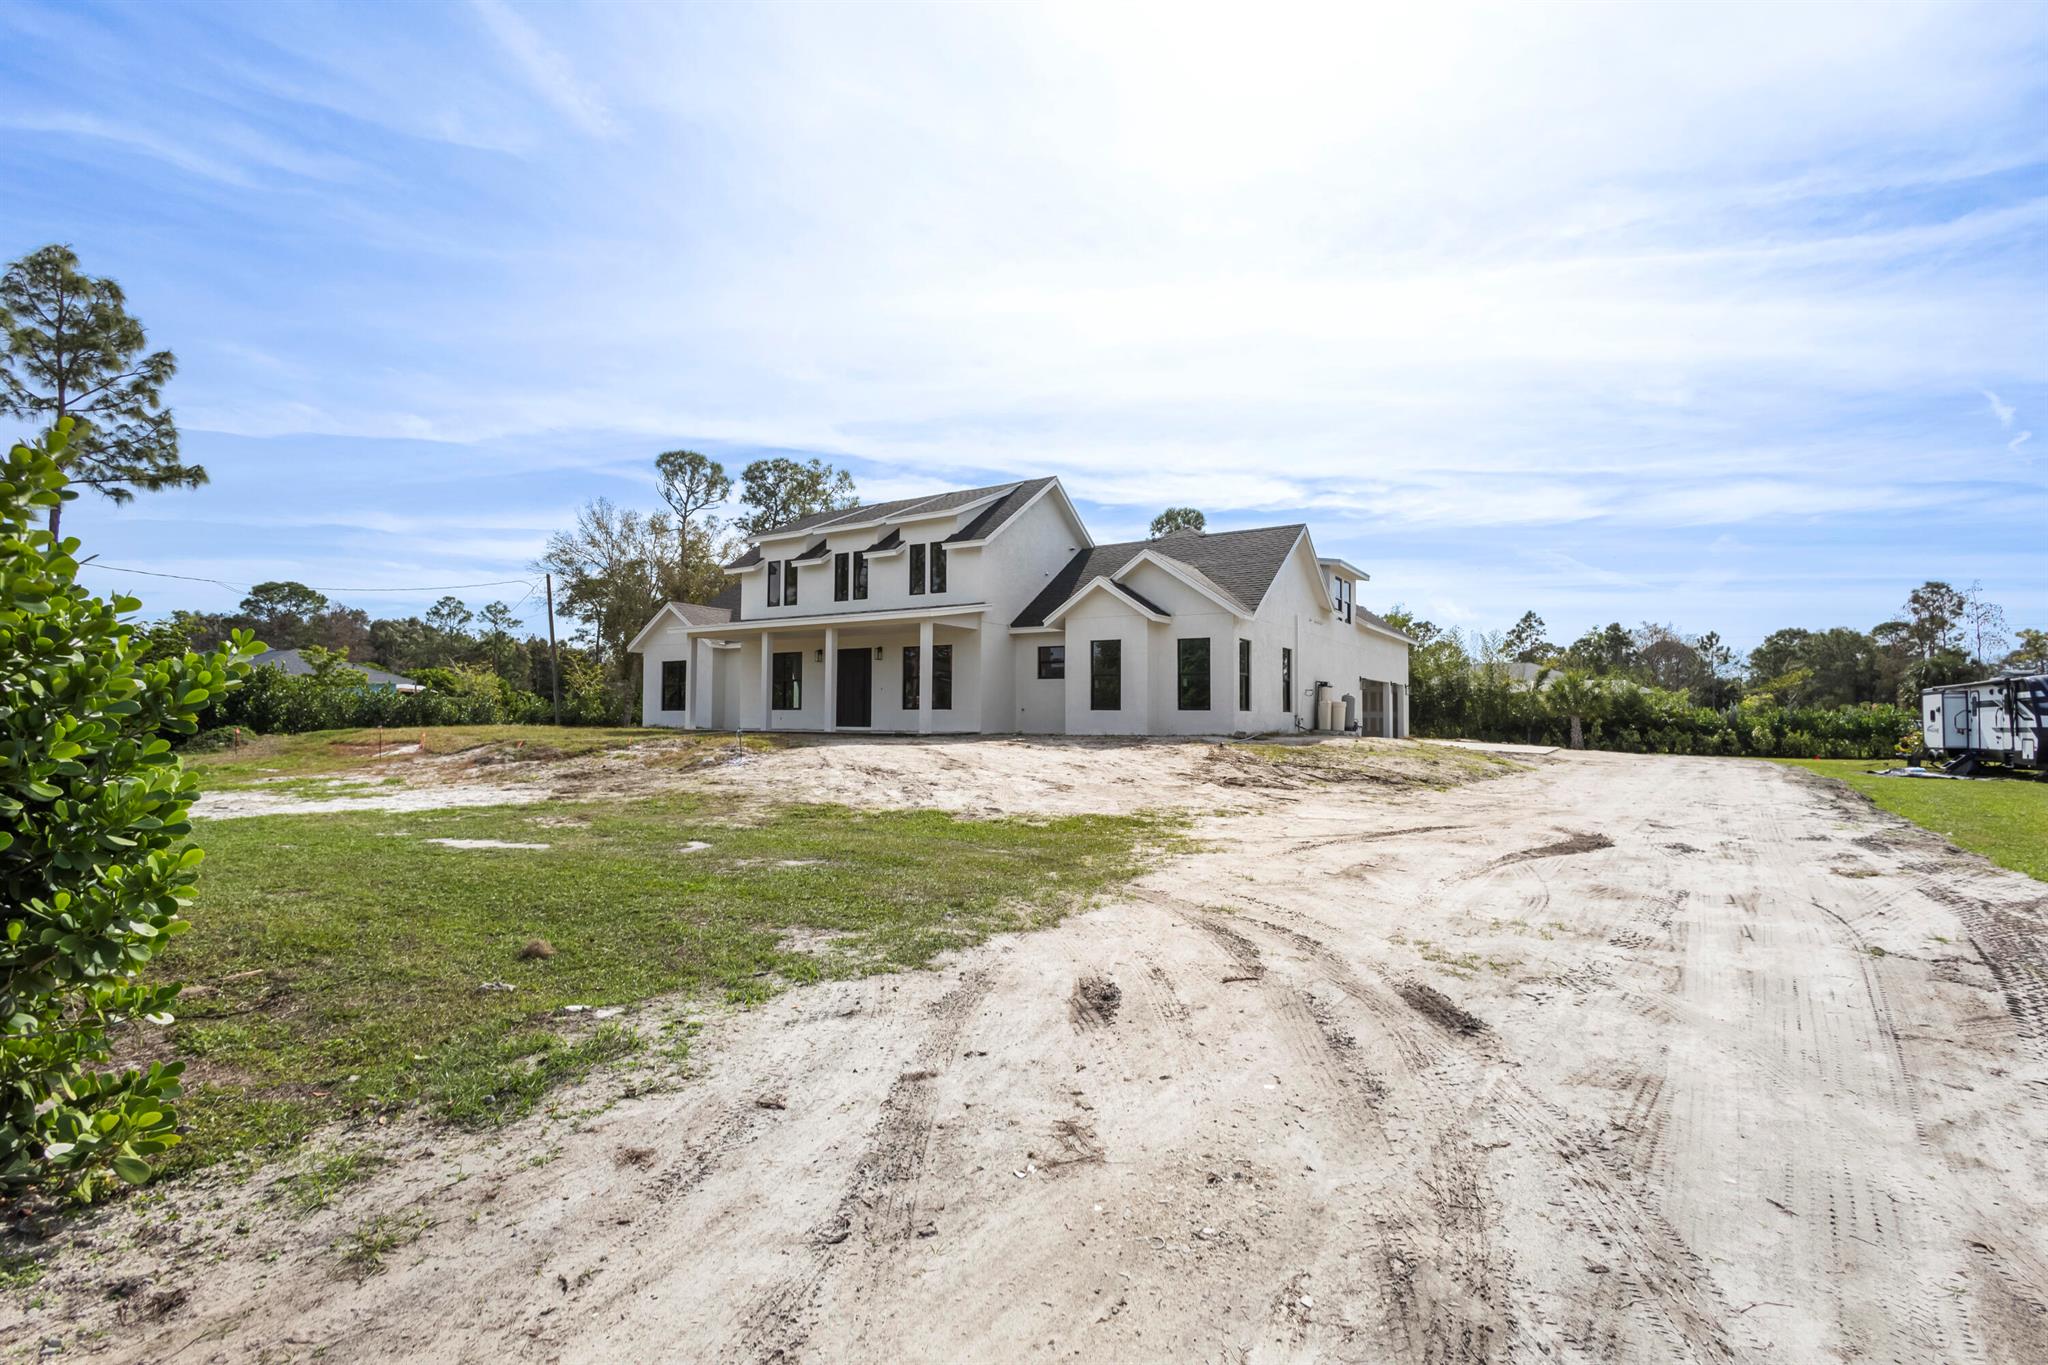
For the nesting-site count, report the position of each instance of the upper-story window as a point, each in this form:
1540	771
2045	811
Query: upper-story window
916	569
774	582
938	566
860	576
788	582
1343	596
840	578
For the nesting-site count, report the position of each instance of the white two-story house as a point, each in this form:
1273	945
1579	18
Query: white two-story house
992	611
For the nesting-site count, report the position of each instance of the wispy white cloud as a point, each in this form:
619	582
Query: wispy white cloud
550	73
2003	411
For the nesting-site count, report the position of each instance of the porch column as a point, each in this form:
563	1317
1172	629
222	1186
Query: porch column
924	677
1387	716
831	679
767	680
693	682
1404	711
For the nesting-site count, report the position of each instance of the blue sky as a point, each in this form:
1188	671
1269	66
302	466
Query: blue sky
1732	317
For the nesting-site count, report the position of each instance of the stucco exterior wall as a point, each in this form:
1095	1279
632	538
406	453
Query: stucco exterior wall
1100	616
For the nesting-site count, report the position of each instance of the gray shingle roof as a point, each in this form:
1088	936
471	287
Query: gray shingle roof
928	502
703	614
1382	622
1242	563
985	523
990	519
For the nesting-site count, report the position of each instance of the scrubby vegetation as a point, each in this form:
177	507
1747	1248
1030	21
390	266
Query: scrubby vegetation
95	865
1840	693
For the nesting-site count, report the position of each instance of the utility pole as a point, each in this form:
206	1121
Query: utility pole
554	658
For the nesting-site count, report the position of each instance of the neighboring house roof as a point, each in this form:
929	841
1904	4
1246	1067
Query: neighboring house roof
292	662
1242	563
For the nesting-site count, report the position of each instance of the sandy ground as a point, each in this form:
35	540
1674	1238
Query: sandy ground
1040	776
1617	1058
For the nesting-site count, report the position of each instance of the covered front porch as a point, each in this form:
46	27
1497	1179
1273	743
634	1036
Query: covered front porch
907	672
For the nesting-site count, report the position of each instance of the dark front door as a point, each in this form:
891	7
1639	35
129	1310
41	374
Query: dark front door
856	687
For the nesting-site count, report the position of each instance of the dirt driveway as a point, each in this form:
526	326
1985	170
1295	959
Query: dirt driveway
1613	1059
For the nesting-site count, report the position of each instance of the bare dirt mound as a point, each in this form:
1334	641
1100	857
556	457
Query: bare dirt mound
1094	1002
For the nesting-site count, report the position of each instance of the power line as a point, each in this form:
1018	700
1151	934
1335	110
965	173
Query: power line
526	583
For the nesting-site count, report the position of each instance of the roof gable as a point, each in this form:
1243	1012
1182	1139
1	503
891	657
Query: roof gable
1243	564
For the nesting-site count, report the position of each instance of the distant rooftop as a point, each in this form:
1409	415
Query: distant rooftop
290	661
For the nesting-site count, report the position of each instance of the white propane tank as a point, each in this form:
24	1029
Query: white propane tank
1322	711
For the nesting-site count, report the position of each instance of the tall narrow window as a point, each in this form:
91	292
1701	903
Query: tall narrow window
942	677
1244	675
789	582
1192	683
917	568
938	566
860	576
674	674
1287	679
1106	675
910	671
774	582
789	681
1342	595
839	579
1052	661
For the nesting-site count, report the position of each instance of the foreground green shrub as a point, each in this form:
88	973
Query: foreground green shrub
93	866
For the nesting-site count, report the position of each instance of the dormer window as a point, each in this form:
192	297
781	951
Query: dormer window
938	566
1344	589
916	570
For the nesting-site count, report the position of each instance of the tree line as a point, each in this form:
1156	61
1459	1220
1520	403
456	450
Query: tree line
1837	693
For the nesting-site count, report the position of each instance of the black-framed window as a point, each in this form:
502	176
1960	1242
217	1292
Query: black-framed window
1052	661
1106	675
1343	596
1192	682
674	677
942	677
860	576
789	582
917	568
789	681
938	566
1244	675
1287	678
839	576
910	670
774	582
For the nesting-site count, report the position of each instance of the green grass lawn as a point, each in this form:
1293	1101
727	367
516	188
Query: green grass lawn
2005	819
343	753
338	964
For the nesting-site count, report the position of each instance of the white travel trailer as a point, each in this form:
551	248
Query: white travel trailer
1998	720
